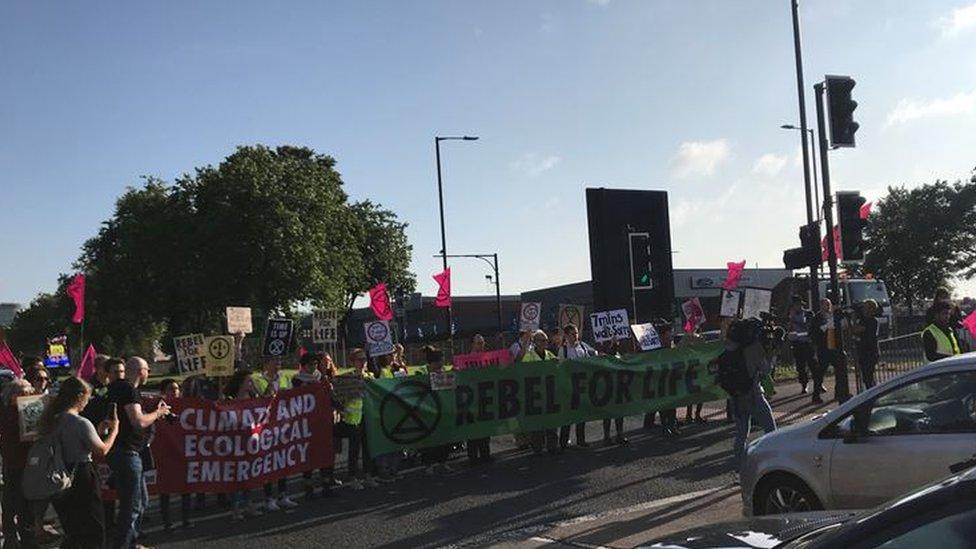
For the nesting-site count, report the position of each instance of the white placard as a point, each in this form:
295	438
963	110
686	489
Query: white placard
756	301
730	303
239	320
647	336
610	324
379	337
324	326
529	317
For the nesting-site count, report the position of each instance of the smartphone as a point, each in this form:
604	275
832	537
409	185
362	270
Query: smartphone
111	409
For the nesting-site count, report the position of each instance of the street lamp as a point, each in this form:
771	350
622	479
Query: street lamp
813	162
440	199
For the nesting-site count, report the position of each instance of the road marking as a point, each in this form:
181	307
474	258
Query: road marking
646	506
554	541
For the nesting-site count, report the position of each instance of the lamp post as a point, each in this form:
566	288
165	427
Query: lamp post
498	289
440	199
813	162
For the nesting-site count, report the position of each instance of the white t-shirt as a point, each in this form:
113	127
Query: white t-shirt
579	350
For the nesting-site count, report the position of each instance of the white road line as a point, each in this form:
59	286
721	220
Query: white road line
553	541
646	506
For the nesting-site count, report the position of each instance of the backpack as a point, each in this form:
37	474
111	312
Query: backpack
45	475
733	375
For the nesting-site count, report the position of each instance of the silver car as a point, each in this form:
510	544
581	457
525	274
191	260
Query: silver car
884	442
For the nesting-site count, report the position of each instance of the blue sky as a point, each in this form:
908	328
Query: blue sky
684	96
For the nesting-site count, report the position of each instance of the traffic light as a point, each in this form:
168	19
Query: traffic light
809	251
851	226
840	110
640	261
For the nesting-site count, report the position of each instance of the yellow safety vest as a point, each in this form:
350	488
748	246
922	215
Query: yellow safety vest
352	411
532	356
284	380
945	344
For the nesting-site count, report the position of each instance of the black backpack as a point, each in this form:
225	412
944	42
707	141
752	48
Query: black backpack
733	375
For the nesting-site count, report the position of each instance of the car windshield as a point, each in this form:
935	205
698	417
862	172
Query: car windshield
862	290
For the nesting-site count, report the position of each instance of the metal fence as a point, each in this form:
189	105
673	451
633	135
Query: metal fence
898	355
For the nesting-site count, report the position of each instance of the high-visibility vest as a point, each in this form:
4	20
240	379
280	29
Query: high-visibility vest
945	344
352	411
532	356
261	383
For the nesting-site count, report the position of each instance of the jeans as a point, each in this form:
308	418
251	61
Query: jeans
126	467
745	408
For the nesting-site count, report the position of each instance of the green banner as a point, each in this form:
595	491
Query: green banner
408	413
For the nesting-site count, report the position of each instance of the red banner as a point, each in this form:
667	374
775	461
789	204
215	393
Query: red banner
229	445
482	360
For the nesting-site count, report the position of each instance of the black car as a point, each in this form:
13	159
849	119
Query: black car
939	516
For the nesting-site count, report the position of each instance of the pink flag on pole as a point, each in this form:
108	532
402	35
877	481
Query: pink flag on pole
379	301
87	369
824	255
865	210
735	274
8	360
76	291
443	280
970	323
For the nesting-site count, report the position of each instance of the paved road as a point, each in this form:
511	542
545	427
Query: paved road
518	499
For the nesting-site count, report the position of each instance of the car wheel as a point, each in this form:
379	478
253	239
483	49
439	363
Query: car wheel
786	494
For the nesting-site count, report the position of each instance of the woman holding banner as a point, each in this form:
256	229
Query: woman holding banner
435	458
539	352
479	449
267	384
350	425
241	387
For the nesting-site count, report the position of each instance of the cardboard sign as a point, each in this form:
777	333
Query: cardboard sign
647	336
730	303
756	301
609	325
29	410
189	353
239	320
325	326
277	337
379	337
346	388
443	381
482	360
694	314
529	317
57	353
218	355
571	314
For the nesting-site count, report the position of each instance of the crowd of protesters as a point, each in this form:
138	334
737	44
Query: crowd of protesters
106	420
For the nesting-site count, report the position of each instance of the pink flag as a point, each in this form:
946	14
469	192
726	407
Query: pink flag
735	274
76	291
379	301
87	369
824	255
443	279
866	210
970	323
8	360
694	314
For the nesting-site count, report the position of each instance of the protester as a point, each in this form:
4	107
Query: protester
866	331
555	340
829	351
479	449
126	459
240	386
17	515
744	351
938	338
399	361
267	383
615	348
573	348
669	417
38	376
80	509
351	427
170	390
690	339
435	458
521	346
536	352
803	352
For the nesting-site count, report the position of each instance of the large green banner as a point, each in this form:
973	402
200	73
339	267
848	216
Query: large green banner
408	412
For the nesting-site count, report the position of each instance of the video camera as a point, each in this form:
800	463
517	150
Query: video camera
746	331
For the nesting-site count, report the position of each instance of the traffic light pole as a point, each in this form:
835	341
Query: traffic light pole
842	392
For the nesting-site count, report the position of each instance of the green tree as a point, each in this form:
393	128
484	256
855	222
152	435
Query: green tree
47	315
921	238
383	252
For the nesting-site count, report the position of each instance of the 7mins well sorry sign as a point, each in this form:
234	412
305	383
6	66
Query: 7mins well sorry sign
609	325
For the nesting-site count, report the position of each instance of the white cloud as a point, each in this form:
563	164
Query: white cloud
533	165
960	20
699	158
769	164
908	110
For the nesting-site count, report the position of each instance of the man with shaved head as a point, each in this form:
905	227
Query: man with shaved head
135	431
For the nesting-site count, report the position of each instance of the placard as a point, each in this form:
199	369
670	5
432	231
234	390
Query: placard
730	303
379	337
529	317
29	410
277	337
218	355
486	359
694	314
443	381
608	325
570	314
755	301
348	387
324	326
647	336
57	353
239	320
189	353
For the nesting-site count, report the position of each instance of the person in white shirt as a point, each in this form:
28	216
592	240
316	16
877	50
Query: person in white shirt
573	348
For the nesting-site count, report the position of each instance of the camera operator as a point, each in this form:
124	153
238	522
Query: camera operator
866	331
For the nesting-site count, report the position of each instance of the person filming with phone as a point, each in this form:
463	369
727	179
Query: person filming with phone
126	458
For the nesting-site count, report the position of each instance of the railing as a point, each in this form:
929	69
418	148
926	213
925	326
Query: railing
897	356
